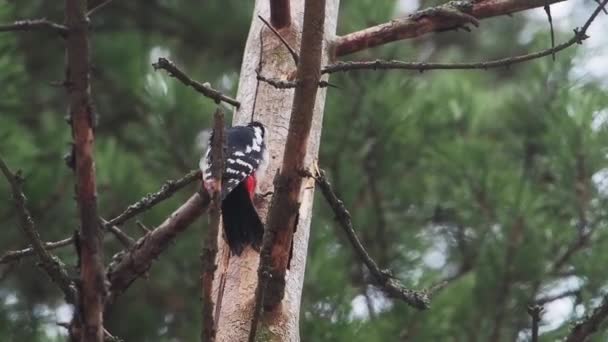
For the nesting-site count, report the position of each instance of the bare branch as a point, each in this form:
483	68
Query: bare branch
204	89
209	243
579	36
589	325
48	262
148	201
280	13
135	262
280	84
121	236
535	313
440	18
282	217
35	25
292	52
143	227
547	8
383	278
98	7
549	299
599	2
12	256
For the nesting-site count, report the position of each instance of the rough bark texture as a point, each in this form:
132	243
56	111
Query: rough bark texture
238	275
92	294
282	218
415	26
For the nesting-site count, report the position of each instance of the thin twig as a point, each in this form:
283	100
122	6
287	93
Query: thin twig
383	278
35	25
204	89
209	244
148	201
121	236
292	52
548	11
549	299
98	7
12	256
280	84
580	34
535	313
143	227
48	262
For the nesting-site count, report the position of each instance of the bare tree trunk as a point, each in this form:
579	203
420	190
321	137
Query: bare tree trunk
236	278
92	289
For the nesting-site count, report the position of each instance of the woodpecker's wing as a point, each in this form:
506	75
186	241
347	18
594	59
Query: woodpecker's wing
245	150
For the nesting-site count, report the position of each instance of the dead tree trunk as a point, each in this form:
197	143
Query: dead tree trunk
236	278
89	315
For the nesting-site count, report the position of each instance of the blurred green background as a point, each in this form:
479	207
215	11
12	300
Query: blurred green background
485	179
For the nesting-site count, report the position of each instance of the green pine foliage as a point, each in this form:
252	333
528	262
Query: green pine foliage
481	178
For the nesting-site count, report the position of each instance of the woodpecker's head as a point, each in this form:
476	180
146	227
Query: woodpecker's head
258	128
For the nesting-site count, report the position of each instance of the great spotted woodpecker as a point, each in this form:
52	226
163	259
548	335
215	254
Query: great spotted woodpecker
246	158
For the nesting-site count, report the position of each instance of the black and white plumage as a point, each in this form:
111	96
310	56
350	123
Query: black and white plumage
245	162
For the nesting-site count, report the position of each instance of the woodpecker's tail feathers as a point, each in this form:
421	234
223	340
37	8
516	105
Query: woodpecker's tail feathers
242	225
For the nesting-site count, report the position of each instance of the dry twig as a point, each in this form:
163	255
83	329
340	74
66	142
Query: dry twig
383	278
35	25
209	244
48	262
204	89
580	34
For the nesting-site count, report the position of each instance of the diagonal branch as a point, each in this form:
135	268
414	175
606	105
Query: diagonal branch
145	203
48	262
209	243
292	52
97	8
148	201
580	34
133	263
35	25
383	278
417	25
204	89
590	325
280	13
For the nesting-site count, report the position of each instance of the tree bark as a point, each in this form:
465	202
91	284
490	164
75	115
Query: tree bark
236	277
89	314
